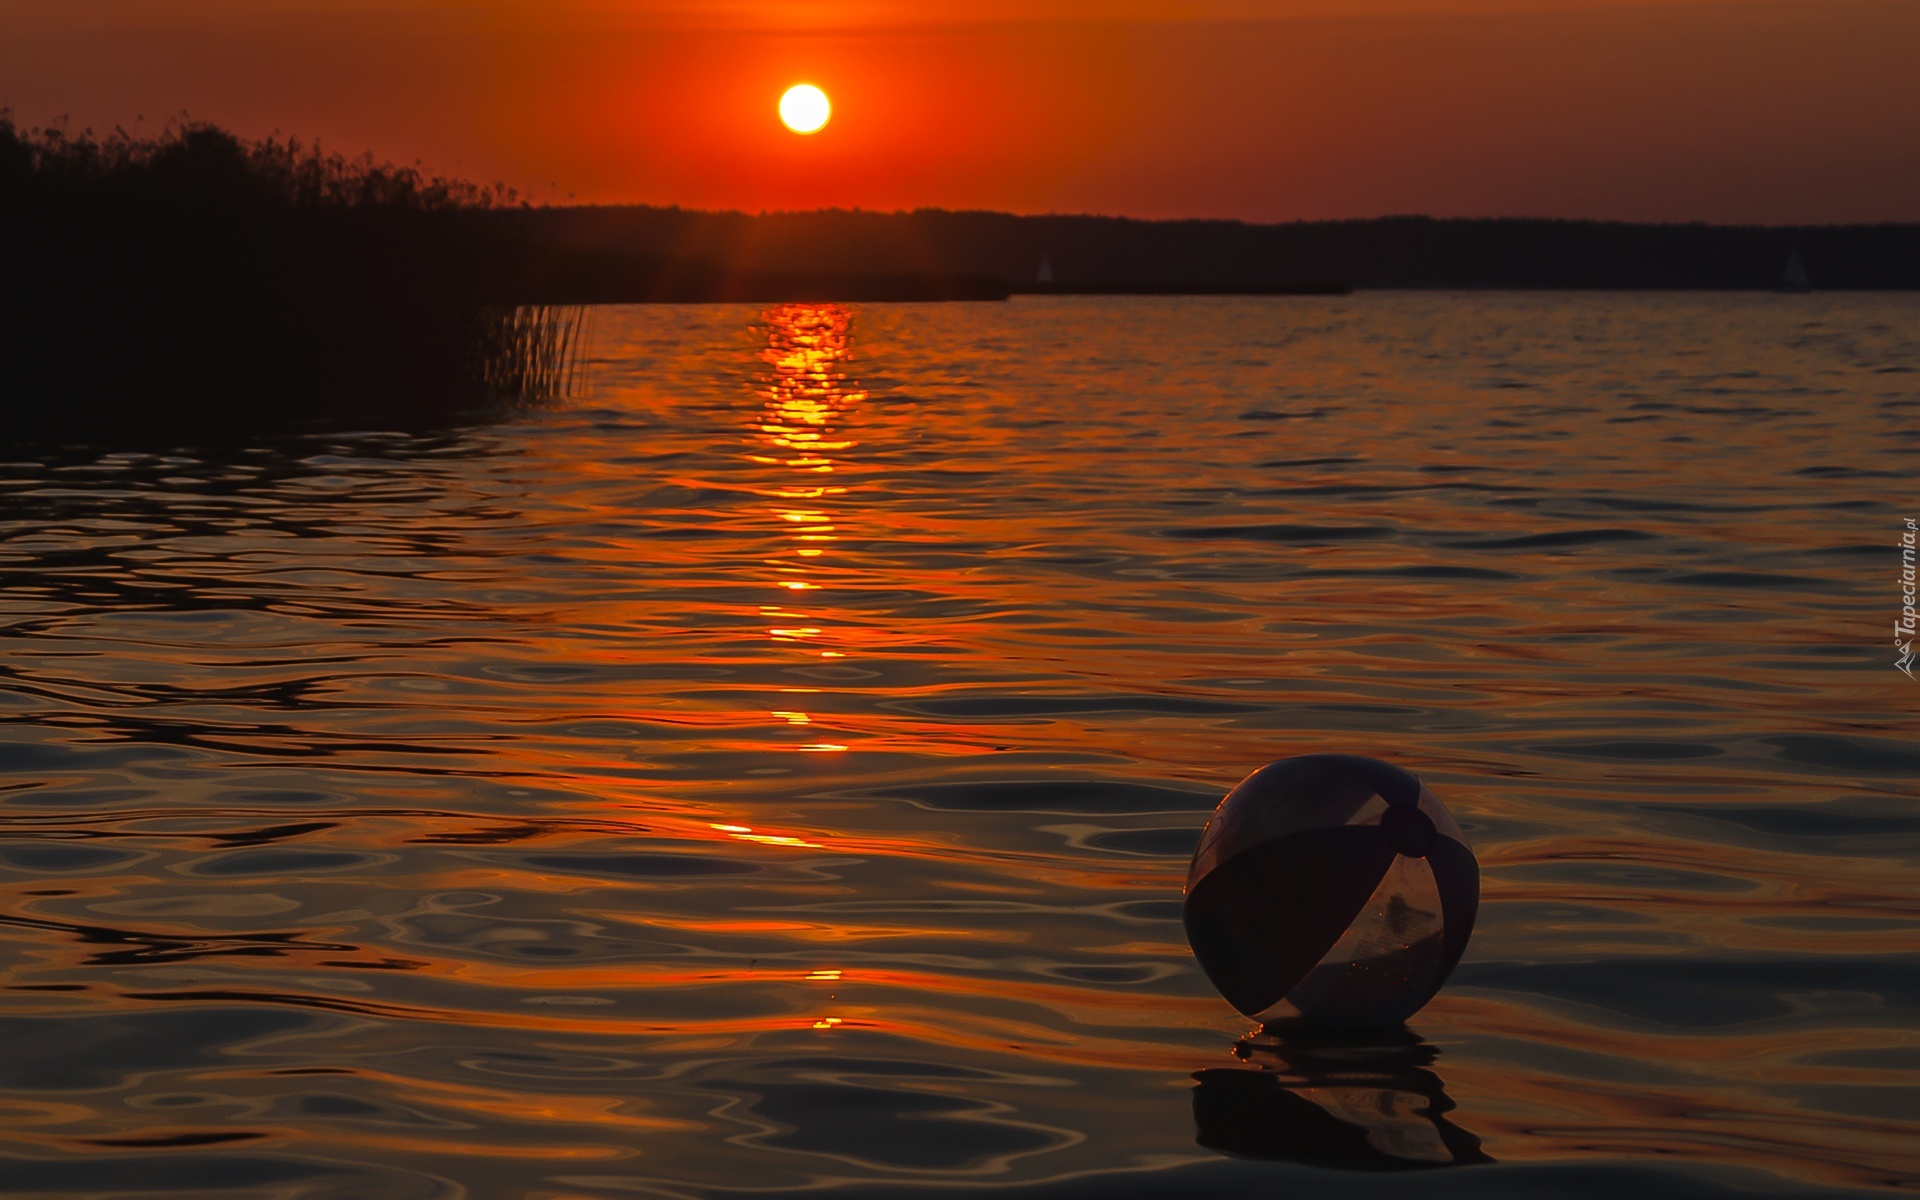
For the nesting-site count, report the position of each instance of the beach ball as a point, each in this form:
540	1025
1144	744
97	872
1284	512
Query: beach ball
1330	889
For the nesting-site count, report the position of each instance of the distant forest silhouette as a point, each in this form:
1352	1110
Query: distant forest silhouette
638	253
195	276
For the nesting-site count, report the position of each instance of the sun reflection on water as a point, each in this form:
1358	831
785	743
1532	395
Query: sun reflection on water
412	802
805	396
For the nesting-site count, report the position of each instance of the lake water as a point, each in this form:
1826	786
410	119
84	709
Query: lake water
778	769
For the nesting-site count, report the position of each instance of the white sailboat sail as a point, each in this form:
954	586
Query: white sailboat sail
1795	278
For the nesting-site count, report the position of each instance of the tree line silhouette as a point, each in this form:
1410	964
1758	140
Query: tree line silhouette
195	278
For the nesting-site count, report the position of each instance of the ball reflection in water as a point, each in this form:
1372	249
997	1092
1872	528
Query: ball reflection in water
1333	889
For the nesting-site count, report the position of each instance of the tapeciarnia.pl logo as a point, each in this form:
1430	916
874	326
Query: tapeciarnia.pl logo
1903	628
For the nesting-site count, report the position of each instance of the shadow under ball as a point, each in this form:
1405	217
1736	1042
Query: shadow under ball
1333	887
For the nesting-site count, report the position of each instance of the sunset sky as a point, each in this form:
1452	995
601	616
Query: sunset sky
1745	110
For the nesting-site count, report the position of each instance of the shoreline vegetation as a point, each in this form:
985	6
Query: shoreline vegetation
193	278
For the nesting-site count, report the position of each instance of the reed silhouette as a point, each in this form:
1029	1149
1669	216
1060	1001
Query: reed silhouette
193	282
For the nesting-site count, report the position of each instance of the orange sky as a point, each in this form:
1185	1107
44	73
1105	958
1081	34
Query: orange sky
1745	110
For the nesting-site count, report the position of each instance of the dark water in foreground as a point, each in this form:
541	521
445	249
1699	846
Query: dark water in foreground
779	770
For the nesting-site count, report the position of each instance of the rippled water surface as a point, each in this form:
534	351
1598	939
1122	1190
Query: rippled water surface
779	768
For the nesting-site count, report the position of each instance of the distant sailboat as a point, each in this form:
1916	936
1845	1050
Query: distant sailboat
1045	273
1795	278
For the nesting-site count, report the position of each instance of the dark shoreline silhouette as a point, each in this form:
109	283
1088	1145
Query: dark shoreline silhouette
1185	287
642	255
196	279
196	282
1119	255
534	271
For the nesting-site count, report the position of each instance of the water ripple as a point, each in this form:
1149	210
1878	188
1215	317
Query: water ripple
778	769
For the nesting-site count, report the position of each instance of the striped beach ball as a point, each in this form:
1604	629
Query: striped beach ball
1333	890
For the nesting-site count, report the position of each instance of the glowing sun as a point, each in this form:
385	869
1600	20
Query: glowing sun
805	108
